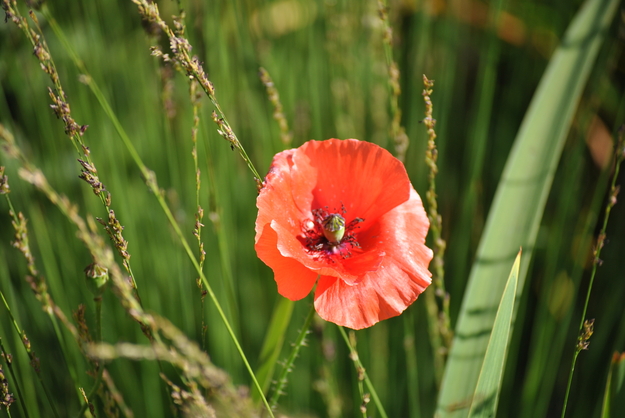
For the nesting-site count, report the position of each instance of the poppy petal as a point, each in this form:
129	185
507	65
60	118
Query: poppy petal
396	284
380	295
363	177
294	280
284	198
380	266
401	232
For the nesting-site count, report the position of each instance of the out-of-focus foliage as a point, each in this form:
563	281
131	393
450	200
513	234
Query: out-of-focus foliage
327	60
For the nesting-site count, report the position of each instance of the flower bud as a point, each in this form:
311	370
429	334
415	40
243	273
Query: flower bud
97	278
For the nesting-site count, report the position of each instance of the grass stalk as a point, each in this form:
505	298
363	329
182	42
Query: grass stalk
288	365
411	366
278	114
150	177
441	310
362	372
72	129
181	48
9	363
34	279
195	99
365	398
99	366
586	325
34	361
94	389
398	132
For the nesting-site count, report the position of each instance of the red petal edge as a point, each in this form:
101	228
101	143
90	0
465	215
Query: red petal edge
294	280
387	292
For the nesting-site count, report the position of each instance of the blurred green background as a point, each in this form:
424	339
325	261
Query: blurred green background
327	60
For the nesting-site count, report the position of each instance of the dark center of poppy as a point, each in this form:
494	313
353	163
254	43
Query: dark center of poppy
329	235
333	228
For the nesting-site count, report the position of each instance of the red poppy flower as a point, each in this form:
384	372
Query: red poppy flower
344	211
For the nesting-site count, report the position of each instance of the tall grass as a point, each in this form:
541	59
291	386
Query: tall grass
329	64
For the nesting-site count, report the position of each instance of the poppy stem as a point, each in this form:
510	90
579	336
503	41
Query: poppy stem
586	325
363	373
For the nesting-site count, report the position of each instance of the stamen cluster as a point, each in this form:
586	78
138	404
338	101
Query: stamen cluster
320	231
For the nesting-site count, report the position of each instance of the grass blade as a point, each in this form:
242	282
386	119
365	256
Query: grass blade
518	205
614	397
486	395
274	340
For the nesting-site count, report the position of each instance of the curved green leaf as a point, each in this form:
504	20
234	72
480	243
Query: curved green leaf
518	205
484	403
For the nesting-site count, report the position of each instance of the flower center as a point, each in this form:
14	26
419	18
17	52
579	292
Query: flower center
328	235
333	228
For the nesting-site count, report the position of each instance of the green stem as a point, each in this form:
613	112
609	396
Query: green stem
50	311
398	132
32	357
151	182
92	392
288	366
438	302
411	365
354	354
100	367
76	139
619	156
20	396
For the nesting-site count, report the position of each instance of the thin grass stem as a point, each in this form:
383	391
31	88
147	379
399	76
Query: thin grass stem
151	177
9	364
586	326
100	366
152	184
411	365
288	365
363	396
74	131
438	312
92	392
34	361
398	132
360	369
199	215
278	114
181	48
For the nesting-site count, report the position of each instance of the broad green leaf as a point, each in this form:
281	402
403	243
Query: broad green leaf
484	403
614	397
273	343
520	199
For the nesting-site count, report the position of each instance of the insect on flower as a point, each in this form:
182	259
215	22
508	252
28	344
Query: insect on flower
343	214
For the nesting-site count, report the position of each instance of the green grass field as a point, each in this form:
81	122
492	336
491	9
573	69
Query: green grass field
528	99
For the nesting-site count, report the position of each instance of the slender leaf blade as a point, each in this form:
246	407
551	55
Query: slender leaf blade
614	396
486	394
520	199
274	340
